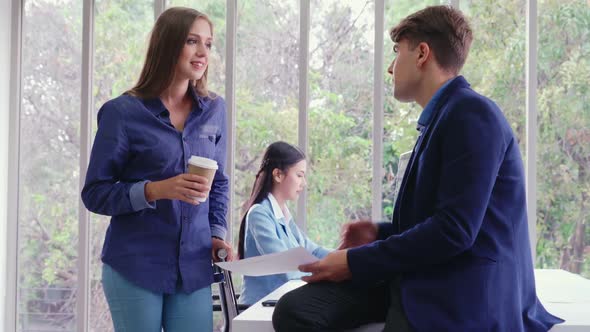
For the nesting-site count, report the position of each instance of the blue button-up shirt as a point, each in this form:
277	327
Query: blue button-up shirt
269	230
165	244
426	114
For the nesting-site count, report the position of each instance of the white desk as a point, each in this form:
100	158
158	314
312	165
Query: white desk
563	294
567	296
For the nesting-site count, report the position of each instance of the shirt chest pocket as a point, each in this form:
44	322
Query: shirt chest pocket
204	145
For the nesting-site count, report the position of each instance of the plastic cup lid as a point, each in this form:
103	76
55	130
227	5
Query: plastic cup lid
203	162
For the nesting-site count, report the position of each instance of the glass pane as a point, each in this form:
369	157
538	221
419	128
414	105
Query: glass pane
399	119
267	88
340	116
496	63
215	10
563	156
116	69
48	175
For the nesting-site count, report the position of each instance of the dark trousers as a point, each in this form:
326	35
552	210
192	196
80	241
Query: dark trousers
329	306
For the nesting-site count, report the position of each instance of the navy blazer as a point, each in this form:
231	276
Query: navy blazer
459	234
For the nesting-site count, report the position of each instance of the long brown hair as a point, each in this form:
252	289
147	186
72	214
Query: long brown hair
167	40
278	155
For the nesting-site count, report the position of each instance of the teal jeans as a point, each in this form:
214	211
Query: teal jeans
135	309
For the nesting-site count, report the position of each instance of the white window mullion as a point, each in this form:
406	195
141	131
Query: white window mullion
377	187
159	7
14	111
230	100
303	139
532	44
83	286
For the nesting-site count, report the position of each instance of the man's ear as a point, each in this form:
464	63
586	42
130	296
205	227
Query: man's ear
423	53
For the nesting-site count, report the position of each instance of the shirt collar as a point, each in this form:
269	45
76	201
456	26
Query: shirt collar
156	106
426	114
276	209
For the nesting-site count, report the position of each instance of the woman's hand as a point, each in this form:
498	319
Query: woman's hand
216	244
184	187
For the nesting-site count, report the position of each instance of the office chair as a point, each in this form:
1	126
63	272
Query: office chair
228	300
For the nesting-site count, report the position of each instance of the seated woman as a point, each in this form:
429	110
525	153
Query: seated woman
268	227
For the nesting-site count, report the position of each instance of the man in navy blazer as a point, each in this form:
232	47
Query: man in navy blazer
456	256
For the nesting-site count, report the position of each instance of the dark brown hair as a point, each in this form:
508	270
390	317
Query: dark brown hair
167	40
444	29
278	155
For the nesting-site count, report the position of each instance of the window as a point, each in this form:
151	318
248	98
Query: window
399	119
563	157
340	122
215	10
495	65
49	175
116	69
267	87
340	116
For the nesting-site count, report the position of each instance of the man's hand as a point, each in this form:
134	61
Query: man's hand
333	267
217	244
357	233
184	187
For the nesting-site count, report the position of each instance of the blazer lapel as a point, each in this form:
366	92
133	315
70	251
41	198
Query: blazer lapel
406	176
425	133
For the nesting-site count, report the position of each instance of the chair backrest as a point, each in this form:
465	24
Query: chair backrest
227	295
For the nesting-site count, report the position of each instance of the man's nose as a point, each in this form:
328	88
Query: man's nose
390	69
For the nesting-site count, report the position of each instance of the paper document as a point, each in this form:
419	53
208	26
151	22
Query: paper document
279	262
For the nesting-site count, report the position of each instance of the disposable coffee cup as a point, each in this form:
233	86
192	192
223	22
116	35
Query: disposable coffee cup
204	167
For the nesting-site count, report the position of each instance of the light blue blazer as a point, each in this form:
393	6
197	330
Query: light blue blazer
269	231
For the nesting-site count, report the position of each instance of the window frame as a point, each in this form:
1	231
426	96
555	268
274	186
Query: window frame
15	18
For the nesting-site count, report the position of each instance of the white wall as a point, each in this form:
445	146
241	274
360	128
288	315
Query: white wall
5	10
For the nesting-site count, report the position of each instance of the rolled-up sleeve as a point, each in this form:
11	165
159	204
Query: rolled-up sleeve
137	197
103	192
219	195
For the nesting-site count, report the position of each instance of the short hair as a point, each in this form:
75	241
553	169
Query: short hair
444	29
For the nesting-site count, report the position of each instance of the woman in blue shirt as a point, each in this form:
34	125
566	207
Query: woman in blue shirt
158	248
268	226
